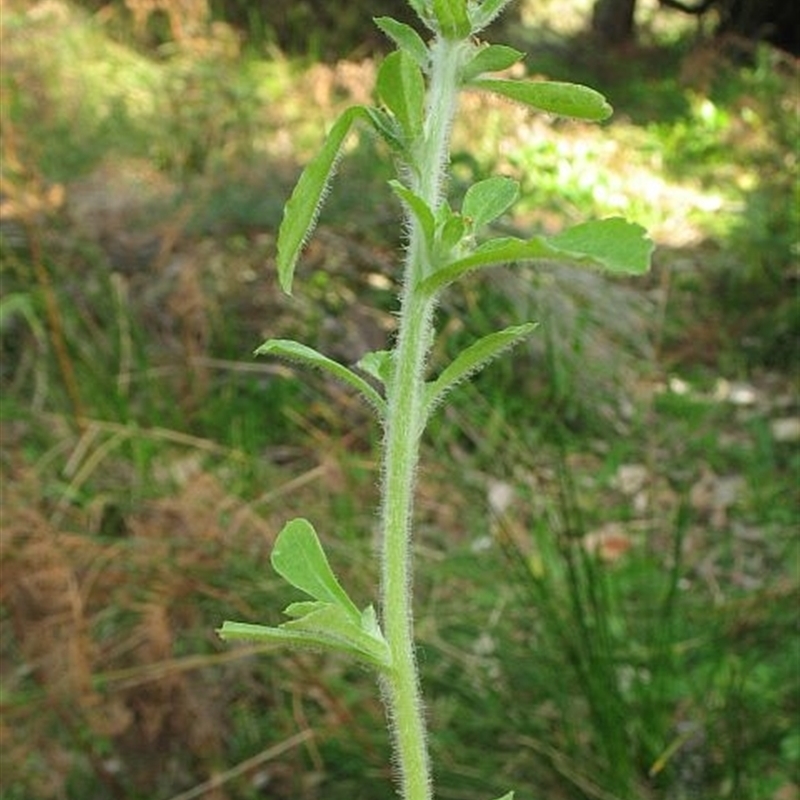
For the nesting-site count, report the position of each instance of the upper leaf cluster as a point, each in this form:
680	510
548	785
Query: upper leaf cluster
449	237
457	19
399	121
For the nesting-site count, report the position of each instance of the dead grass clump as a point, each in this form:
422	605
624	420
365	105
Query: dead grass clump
93	632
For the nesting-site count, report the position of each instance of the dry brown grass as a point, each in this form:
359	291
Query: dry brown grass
92	632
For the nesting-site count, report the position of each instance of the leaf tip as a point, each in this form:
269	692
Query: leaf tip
285	271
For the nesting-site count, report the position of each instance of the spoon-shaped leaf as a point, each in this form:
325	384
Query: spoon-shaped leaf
299	558
486	200
491	58
614	245
564	99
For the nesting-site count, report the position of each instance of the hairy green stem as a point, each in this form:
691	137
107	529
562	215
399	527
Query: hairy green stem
405	421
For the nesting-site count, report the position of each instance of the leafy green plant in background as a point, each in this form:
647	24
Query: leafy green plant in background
417	87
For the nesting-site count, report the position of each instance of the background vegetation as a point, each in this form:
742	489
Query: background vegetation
608	564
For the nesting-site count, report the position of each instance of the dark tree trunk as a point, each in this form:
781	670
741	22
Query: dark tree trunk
612	21
775	21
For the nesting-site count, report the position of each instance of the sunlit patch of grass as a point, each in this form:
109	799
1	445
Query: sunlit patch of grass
620	172
190	112
86	95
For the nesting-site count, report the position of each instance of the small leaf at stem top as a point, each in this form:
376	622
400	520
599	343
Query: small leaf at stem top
451	231
483	14
452	17
423	12
387	127
563	99
299	558
406	38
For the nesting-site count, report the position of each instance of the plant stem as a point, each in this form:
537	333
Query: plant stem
405	422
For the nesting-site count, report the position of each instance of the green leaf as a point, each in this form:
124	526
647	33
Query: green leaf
301	353
339	635
302	607
509	796
401	87
387	127
451	15
614	244
421	7
564	99
487	11
333	623
418	207
298	557
378	364
302	209
611	244
486	200
474	358
490	58
452	229
369	622
491	253
406	38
